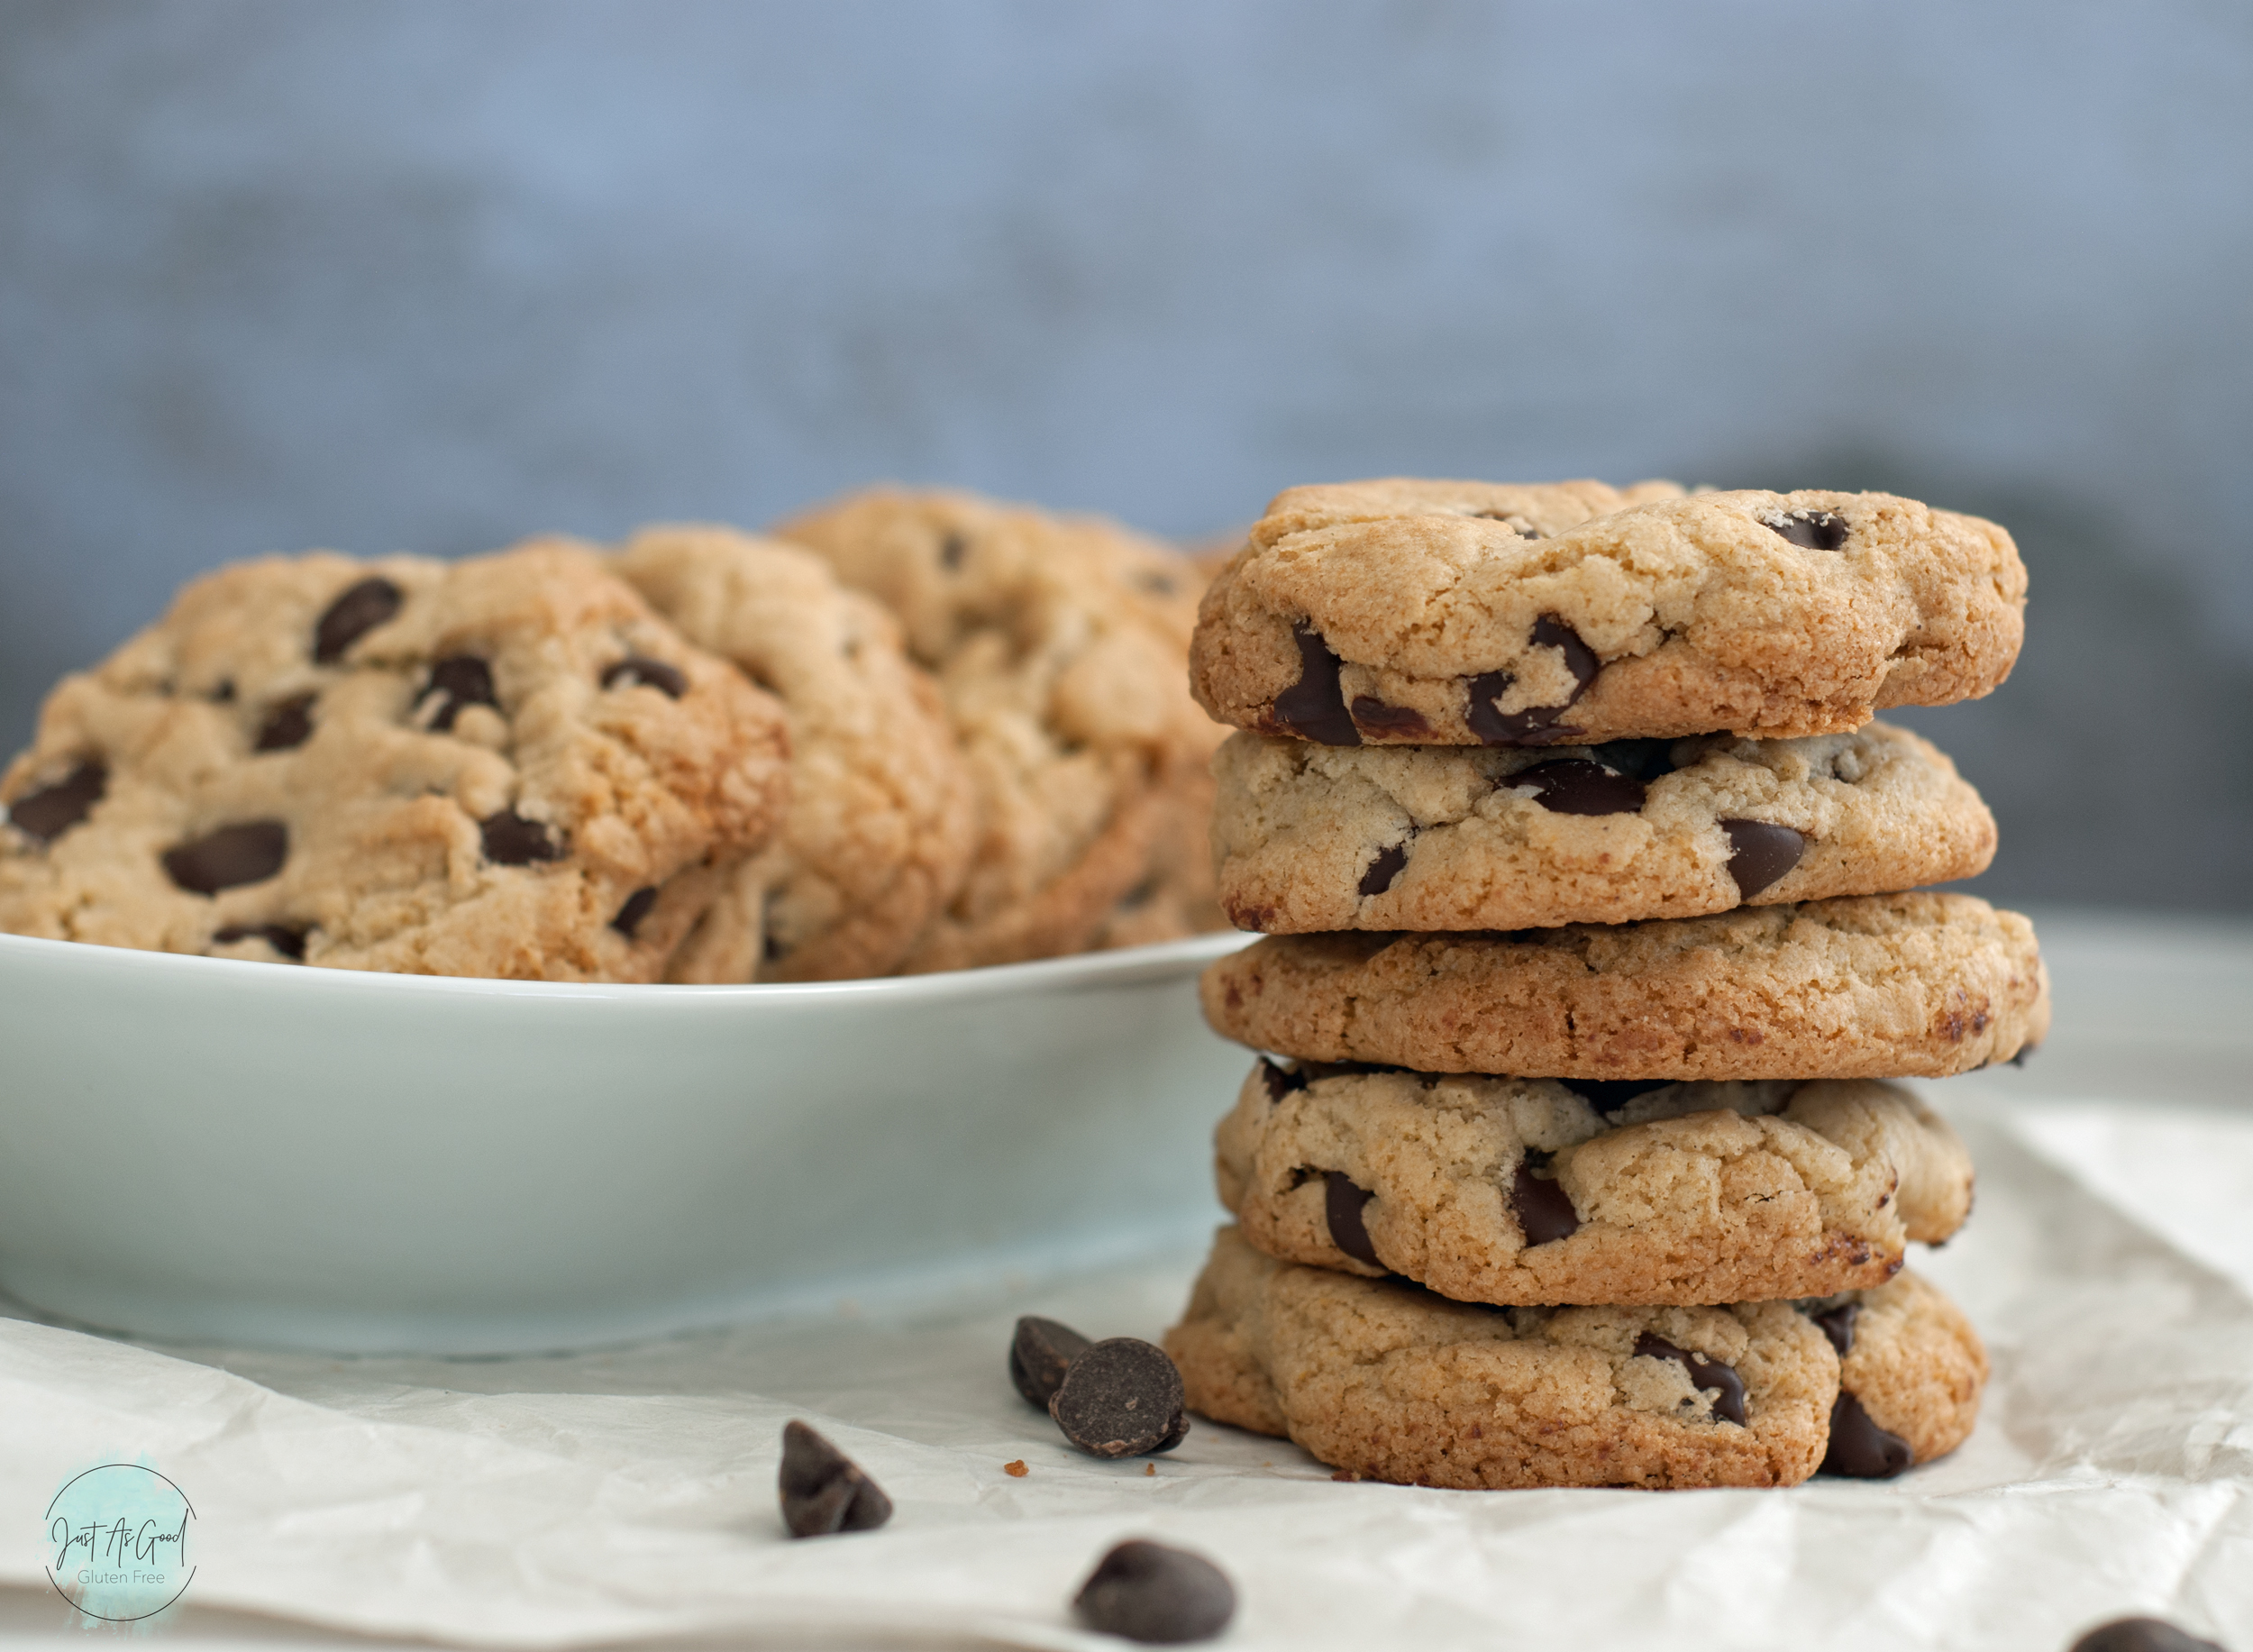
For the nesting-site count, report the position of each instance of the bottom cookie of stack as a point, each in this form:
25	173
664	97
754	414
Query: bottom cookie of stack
1389	1380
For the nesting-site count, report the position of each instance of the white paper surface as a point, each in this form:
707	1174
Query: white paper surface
630	1494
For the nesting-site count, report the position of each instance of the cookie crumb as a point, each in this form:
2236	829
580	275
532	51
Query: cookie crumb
1150	1469
1345	1474
1017	1470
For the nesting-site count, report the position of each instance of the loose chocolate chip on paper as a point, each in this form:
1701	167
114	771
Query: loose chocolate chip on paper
1343	1200
359	610
1040	1353
2142	1635
1810	530
1759	852
1728	1404
234	855
1859	1448
287	725
1574	786
462	679
1384	869
1837	1324
1372	715
1281	1081
823	1490
1545	1209
667	680
288	940
511	840
52	810
637	908
1159	1596
1607	1096
1313	707
1120	1398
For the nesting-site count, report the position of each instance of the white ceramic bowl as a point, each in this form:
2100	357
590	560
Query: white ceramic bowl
202	1149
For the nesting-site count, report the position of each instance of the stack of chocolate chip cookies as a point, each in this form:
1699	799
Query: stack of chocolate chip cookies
1578	858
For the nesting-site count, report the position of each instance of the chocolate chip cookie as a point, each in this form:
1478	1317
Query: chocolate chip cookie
1313	837
878	836
506	766
1541	1190
1461	613
1920	985
1058	642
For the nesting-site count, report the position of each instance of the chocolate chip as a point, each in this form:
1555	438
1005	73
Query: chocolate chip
1545	1209
1313	707
1384	869
1646	760
1342	1202
229	858
1281	1081
287	725
1040	1353
1759	852
952	549
1607	1096
1837	1324
667	680
823	1490
2142	1635
52	810
1157	584
284	938
1120	1398
1536	725
1859	1448
636	908
1574	786
1372	715
1159	1596
1519	525
223	694
1729	1404
353	615
1810	530
511	840
464	680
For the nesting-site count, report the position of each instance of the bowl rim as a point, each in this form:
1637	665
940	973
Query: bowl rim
1120	966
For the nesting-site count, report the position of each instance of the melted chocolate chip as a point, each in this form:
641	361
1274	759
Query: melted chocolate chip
1574	786
1759	852
1281	1081
52	810
1837	1324
1545	1209
637	908
1646	760
1157	584
823	1490
1161	1596
1341	1203
288	940
952	549
667	680
229	858
1040	1353
287	725
1729	1404
511	840
1313	707
353	615
1859	1448
1120	1398
223	694
2142	1635
1536	725
464	680
1372	715
1810	530
1384	869
1607	1096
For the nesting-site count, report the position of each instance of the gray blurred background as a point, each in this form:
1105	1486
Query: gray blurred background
430	274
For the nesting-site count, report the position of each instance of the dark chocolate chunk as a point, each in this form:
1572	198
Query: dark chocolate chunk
1120	1398
1281	1081
353	615
1607	1096
229	857
224	693
287	725
1544	1208
1729	1405
667	680
1859	1448
1536	724
1157	584
1837	1324
1342	1202
1384	869
637	906
1313	707
1759	852
1040	1353
1159	1596
1519	525
952	549
823	1490
1574	786
2142	1635
1810	530
52	810
464	680
511	840
288	940
1646	760
1372	715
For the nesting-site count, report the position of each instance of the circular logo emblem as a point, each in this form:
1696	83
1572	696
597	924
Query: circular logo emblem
117	1542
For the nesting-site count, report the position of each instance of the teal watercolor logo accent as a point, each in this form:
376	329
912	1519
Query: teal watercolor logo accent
117	1542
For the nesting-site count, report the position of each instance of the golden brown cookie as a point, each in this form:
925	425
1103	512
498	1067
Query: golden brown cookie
1465	612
